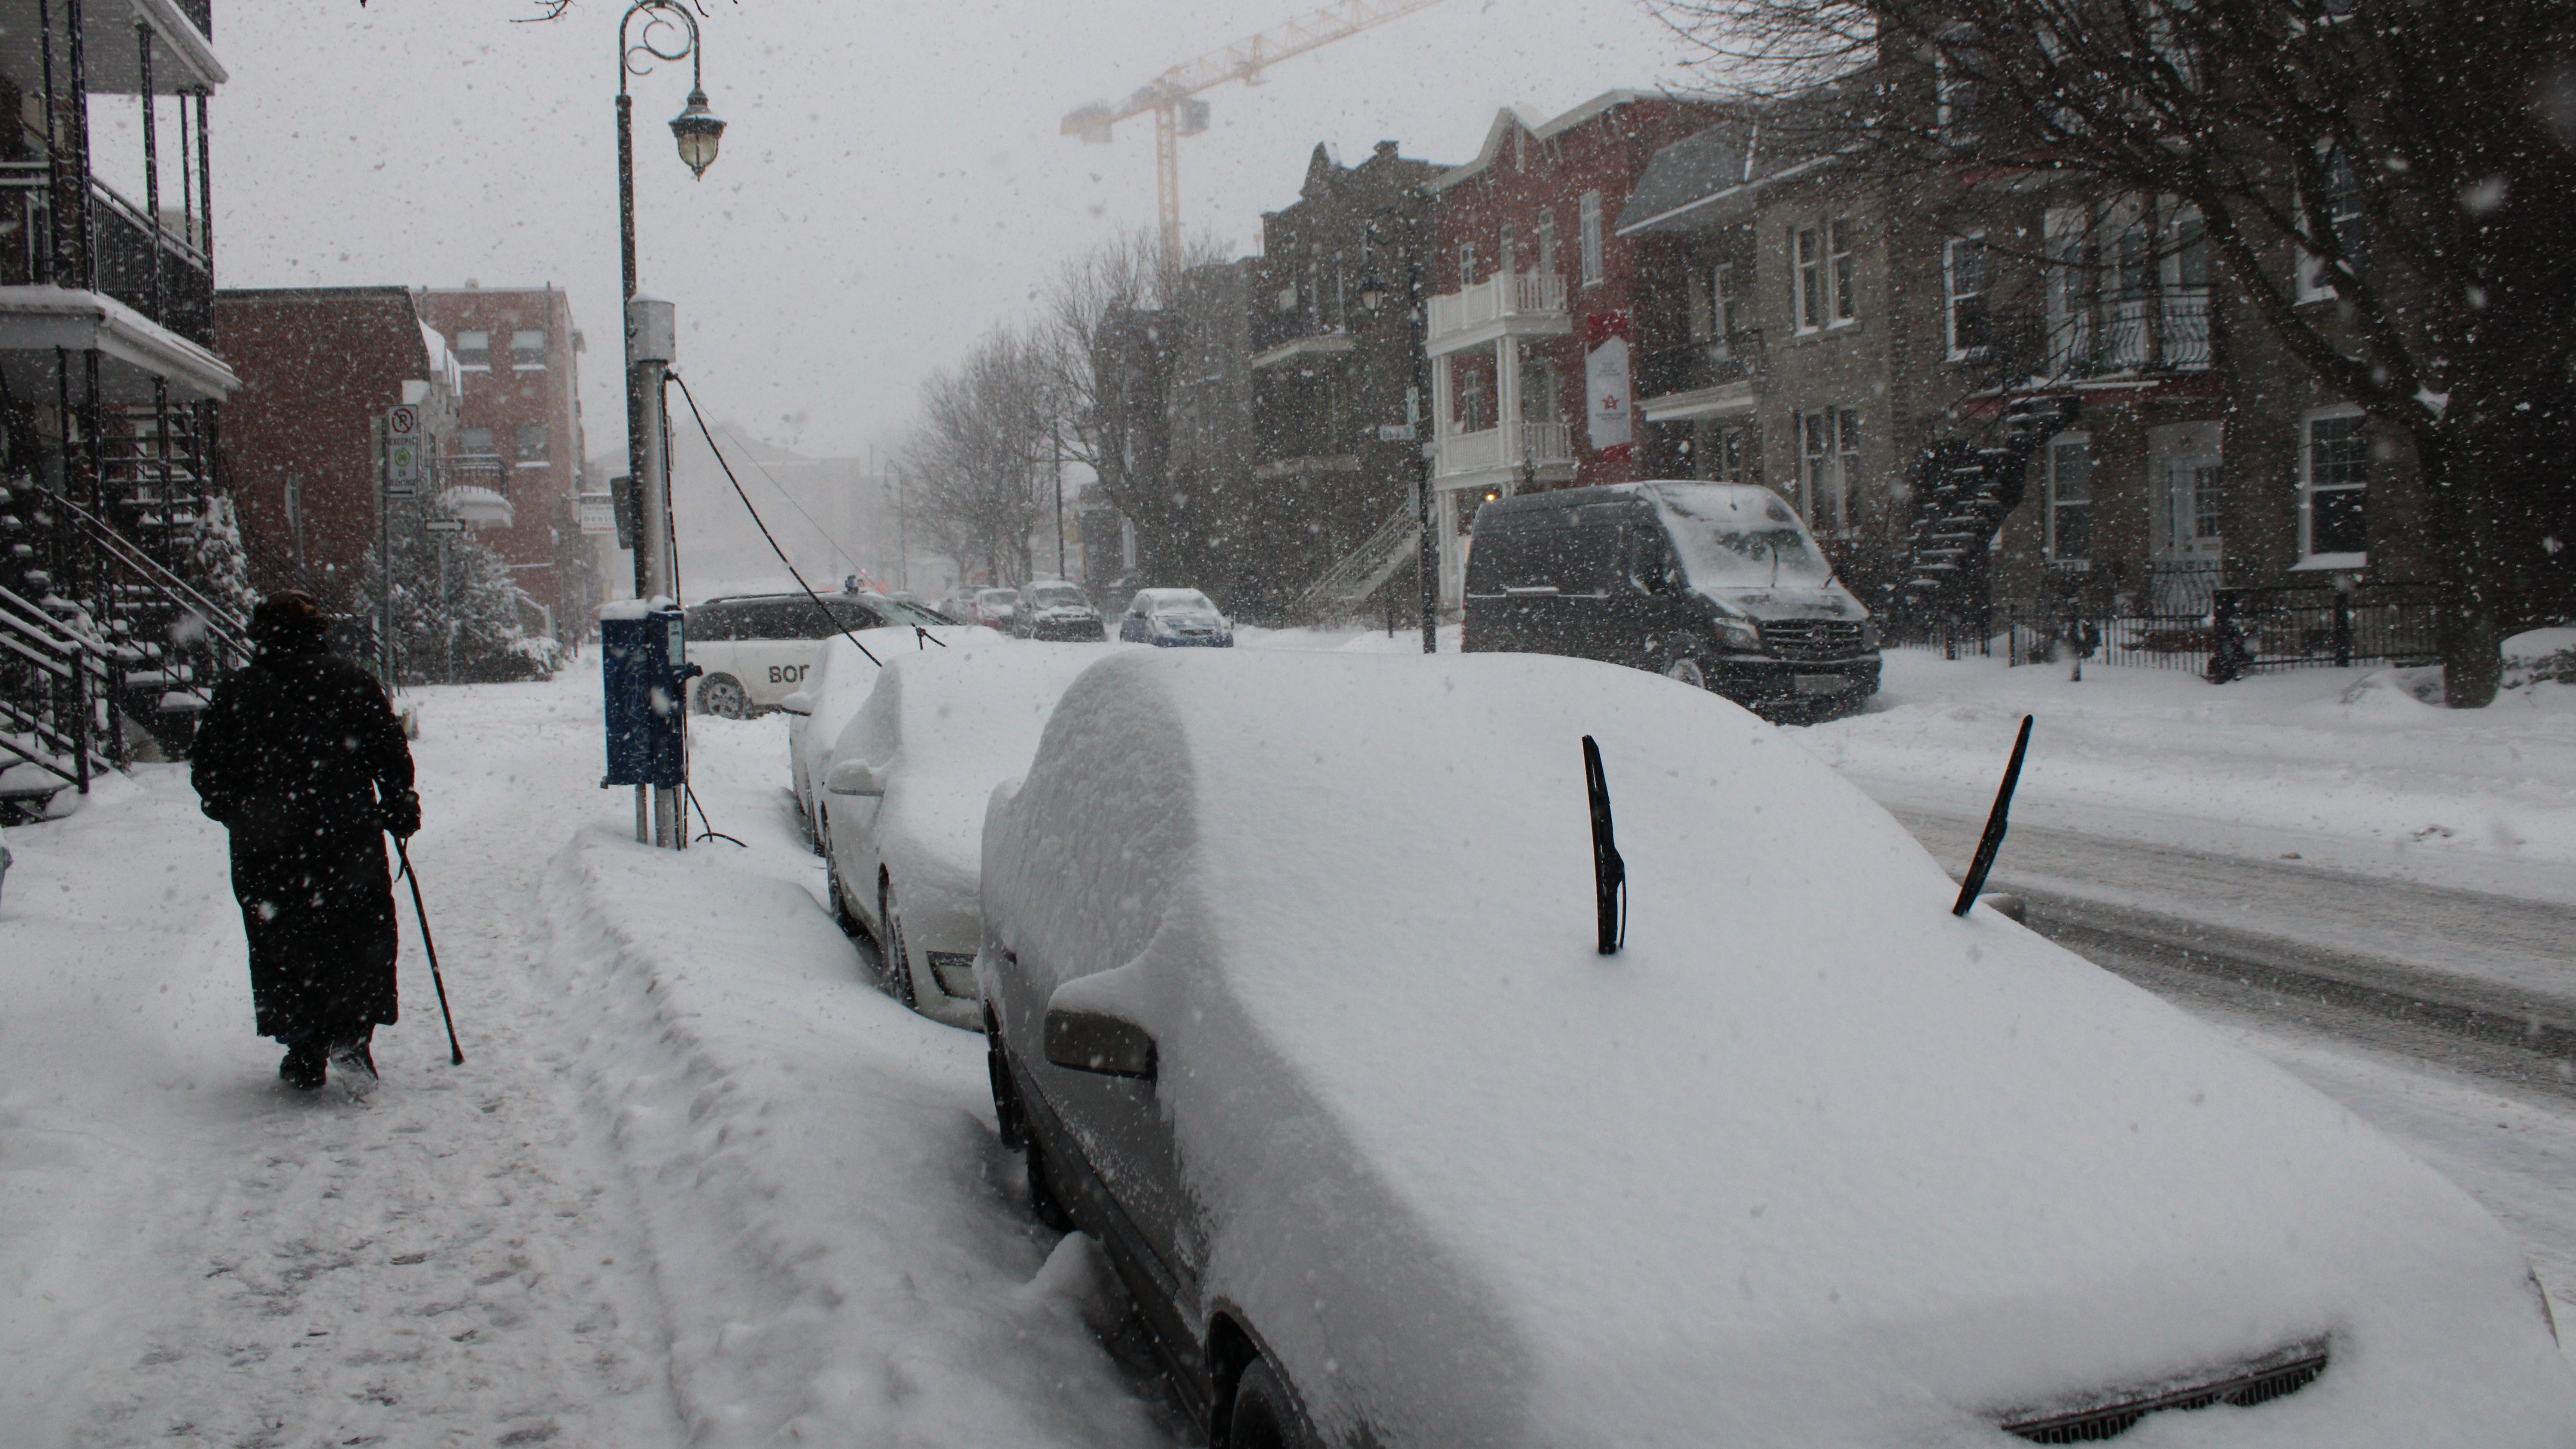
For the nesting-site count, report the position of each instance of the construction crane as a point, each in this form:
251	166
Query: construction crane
1172	96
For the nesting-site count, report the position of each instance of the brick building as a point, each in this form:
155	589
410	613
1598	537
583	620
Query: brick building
519	437
1535	305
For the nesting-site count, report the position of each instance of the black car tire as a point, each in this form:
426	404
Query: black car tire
842	916
1043	1200
1265	1414
892	957
1686	669
723	696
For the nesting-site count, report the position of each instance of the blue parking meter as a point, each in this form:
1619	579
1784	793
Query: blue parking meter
644	678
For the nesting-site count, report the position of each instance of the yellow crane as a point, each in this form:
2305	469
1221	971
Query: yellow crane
1171	96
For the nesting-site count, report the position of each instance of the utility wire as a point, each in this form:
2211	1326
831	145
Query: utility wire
705	432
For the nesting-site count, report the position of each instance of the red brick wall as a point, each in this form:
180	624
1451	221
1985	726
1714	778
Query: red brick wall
318	367
547	554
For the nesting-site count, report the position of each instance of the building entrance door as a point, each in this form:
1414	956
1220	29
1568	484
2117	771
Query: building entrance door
2184	463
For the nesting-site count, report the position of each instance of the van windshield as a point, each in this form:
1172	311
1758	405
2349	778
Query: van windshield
1729	541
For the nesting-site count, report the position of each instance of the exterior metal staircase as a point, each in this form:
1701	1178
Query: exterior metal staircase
1364	570
1962	491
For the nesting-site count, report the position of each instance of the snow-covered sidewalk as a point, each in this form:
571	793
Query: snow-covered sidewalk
697	1181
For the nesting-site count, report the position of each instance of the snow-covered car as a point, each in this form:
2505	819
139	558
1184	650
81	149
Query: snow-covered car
995	608
1175	618
757	649
1055	609
1293	996
902	807
833	692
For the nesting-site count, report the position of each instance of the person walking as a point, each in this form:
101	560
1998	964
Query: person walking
301	759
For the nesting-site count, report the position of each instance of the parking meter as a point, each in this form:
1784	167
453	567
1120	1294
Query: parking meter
644	676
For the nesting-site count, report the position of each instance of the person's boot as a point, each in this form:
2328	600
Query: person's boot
303	1067
356	1065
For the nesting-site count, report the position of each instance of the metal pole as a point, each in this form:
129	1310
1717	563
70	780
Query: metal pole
1426	554
635	429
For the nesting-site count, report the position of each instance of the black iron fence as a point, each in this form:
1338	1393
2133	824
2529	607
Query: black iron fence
2240	631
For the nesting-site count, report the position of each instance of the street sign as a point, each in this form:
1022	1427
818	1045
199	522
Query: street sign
598	513
1395	433
443	525
403	442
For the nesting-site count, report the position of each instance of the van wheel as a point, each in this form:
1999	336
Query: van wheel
1265	1414
1686	670
896	961
722	695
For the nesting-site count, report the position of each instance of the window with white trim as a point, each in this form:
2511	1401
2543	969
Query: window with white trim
2334	488
1591	221
528	349
2070	498
1829	468
1546	229
2341	203
1963	295
1839	241
1807	279
1507	251
474	350
1466	265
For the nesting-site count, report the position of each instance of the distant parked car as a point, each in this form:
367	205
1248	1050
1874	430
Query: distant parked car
995	608
903	797
1717	585
838	684
757	649
1175	618
958	604
1294	997
1054	609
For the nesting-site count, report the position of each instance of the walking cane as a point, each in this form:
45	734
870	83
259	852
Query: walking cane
455	1053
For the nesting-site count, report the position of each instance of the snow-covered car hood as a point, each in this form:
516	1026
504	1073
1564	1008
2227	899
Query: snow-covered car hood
1811	1162
1831	602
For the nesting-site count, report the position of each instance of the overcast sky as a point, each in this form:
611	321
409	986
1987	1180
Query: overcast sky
892	181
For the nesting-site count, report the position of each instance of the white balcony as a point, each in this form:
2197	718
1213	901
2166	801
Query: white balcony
1506	304
1505	448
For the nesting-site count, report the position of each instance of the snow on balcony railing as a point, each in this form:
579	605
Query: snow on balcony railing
1507	447
1501	297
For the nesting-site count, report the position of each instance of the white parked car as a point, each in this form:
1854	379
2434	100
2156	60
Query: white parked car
902	809
1294	998
834	690
757	649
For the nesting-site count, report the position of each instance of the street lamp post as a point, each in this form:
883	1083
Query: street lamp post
1420	423
654	31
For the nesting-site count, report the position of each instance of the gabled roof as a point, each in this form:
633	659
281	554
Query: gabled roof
1713	176
1516	118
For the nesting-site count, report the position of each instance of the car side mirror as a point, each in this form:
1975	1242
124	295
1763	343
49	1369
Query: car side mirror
854	777
1094	1041
798	703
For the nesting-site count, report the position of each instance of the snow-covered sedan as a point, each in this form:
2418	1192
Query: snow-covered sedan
1175	618
902	806
1055	609
833	692
1294	999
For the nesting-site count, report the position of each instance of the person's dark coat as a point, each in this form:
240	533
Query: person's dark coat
297	755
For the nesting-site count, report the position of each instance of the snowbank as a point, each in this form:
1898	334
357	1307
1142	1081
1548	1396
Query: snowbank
833	1224
2348	767
1810	1161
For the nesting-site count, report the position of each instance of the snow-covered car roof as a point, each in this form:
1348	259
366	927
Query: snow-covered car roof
952	725
1157	599
1810	1162
842	678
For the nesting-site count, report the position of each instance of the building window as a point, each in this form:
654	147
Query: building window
1507	253
1724	304
2341	203
1591	238
1727	456
1963	292
1546	240
1847	476
474	443
2334	483
1829	468
532	445
1466	266
474	349
1807	284
2070	498
528	349
1472	414
1838	239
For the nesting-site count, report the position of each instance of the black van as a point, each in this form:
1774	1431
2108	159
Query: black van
1713	584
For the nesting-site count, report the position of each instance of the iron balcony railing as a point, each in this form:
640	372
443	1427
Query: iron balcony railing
1704	362
143	264
2145	334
